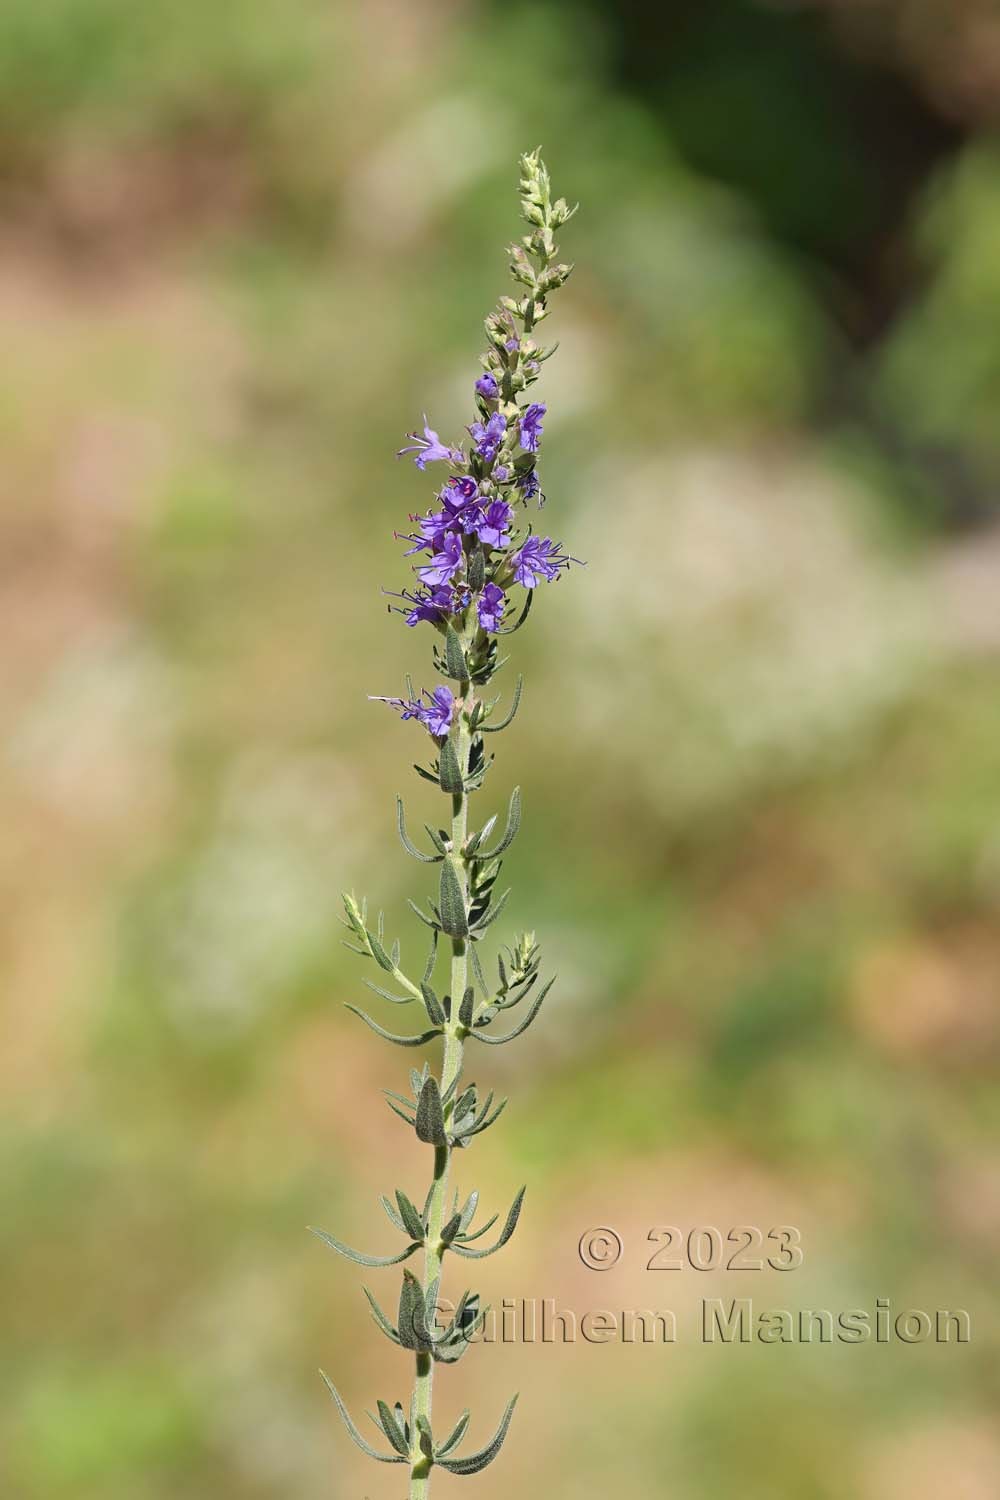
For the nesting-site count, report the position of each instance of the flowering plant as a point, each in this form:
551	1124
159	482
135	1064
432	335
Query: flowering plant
473	552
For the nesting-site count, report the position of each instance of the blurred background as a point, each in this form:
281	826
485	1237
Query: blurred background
242	248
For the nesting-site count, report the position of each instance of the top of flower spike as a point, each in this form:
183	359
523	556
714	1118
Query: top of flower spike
469	549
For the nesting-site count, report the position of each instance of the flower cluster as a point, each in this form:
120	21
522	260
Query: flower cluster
469	548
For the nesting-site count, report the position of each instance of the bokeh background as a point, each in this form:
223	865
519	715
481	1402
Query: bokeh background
243	247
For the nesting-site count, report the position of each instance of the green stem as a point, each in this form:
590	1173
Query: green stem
451	1069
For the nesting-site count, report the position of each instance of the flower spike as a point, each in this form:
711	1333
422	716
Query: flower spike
476	565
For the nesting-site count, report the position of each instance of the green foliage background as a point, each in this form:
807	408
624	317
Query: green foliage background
243	248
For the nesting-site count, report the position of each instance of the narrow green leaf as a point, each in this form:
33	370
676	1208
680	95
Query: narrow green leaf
467	1239
378	952
495	728
392	1431
356	1255
383	1458
455	1436
388	995
525	612
431	957
477	1461
411	1219
432	1005
400	1041
413	1332
477	971
452	899
450	1229
505	1233
401	1113
498	1041
380	1318
469	1207
513	824
391	1213
417	912
449	771
430	1116
492	912
404	838
481	1124
476	570
474	842
426	1437
454	656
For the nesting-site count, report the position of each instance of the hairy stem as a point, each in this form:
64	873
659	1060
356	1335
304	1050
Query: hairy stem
451	1069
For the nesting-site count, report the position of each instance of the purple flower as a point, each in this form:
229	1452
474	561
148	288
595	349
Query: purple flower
531	426
487	386
529	486
436	714
444	564
511	345
458	492
470	518
488	436
430	532
429	448
500	473
426	603
491	607
432	604
439	714
539	558
491	528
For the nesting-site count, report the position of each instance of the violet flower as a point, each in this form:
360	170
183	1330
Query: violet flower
429	448
488	436
492	602
491	529
539	558
459	491
436	714
444	564
531	426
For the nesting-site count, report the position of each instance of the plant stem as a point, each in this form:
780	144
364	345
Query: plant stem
451	1069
